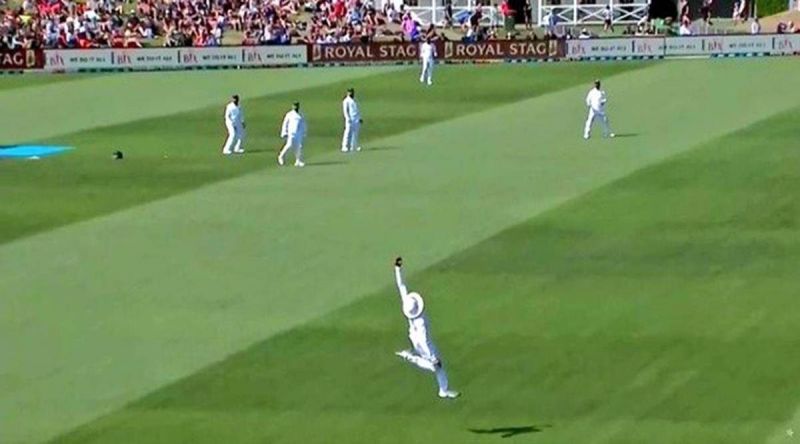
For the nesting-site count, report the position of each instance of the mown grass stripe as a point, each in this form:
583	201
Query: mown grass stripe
540	335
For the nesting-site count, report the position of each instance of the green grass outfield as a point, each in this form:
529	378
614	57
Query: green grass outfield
635	290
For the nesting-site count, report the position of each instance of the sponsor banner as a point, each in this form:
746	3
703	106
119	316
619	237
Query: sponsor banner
589	48
172	58
77	59
21	59
712	45
783	44
503	50
754	44
684	46
404	51
275	55
648	46
256	56
155	58
718	45
207	57
373	52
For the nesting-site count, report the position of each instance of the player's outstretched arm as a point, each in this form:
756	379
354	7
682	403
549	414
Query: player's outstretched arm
398	277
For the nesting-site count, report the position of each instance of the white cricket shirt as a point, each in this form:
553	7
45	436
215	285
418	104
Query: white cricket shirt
293	125
427	51
350	109
233	114
596	100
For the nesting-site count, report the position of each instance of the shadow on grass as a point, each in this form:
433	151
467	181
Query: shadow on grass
626	135
510	432
382	148
262	151
326	163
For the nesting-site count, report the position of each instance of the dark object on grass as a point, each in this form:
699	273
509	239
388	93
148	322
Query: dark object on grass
117	155
510	432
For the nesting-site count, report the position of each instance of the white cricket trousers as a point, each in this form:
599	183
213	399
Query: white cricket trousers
426	76
426	357
603	121
350	136
234	140
295	142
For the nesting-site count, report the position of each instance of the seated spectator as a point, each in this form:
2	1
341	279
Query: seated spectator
755	27
392	15
470	36
410	28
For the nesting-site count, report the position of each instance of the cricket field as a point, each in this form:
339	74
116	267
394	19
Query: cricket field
640	289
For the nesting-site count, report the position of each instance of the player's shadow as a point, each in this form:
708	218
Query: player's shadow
510	432
626	135
327	163
383	148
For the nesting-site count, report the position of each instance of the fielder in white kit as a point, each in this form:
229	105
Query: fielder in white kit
427	54
424	354
234	123
596	102
293	130
352	122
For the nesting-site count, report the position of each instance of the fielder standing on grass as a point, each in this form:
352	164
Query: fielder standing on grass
352	122
596	102
293	130
424	354
234	123
427	55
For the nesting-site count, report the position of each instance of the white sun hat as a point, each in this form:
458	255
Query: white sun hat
413	305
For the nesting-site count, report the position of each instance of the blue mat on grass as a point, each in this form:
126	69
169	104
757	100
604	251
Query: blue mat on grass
31	151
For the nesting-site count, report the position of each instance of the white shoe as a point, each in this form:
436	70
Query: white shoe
612	135
585	137
421	80
226	153
405	354
448	394
358	148
299	164
280	160
345	149
430	83
238	151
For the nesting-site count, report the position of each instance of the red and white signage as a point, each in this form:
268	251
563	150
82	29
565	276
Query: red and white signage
21	59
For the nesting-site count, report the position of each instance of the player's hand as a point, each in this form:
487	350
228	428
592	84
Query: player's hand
398	262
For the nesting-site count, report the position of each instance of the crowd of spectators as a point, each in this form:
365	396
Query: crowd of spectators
120	23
